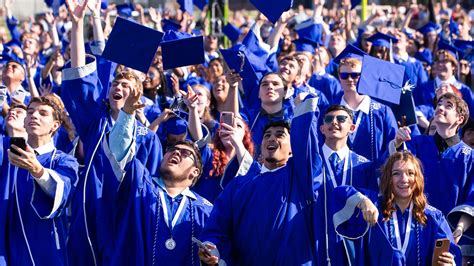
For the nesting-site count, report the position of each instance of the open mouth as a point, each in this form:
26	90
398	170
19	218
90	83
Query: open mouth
272	146
117	96
173	160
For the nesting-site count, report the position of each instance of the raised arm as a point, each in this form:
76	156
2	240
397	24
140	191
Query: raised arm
99	38
77	12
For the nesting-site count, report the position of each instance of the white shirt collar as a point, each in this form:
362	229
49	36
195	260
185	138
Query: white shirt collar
49	147
342	153
265	169
364	106
321	73
186	192
452	80
403	58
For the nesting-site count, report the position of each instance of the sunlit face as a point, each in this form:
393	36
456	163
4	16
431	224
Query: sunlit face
446	113
403	179
119	93
444	69
16	118
305	63
337	44
350	84
178	163
289	70
30	46
215	68
321	57
152	79
276	145
13	71
337	129
272	89
203	100
220	89
40	120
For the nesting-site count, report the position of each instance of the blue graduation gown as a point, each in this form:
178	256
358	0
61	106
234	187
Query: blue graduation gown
414	71
467	240
379	243
265	219
84	96
360	174
425	93
449	175
137	232
375	131
35	226
328	85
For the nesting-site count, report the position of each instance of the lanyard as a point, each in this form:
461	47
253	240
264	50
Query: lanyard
165	210
344	171
407	230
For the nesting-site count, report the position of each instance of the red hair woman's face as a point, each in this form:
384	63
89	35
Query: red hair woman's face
403	179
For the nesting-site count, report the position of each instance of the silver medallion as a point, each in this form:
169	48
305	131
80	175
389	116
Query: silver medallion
170	244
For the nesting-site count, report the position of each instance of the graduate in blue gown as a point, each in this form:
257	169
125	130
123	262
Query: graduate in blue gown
36	185
265	217
85	100
407	229
375	122
323	81
159	214
341	167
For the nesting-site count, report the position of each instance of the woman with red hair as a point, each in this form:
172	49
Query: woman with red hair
408	228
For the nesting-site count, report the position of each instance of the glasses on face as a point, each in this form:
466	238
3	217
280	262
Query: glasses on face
339	118
353	75
183	153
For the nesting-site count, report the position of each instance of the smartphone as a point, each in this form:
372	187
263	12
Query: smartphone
227	118
441	246
19	142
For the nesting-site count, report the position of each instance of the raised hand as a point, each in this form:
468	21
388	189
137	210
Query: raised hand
26	160
132	103
76	10
190	98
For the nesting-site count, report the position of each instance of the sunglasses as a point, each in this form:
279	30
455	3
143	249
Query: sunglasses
183	153
345	75
339	118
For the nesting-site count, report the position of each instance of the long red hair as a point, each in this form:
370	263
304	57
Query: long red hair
386	187
220	158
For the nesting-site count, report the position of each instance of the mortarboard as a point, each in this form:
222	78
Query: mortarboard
132	45
125	10
405	111
381	39
104	4
274	9
170	24
201	3
425	56
9	56
381	79
454	51
429	27
350	52
355	3
186	6
55	4
181	49
305	45
176	125
232	32
310	30
238	62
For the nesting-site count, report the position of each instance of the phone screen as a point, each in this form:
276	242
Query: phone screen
19	142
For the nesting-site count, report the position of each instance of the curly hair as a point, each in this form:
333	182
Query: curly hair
220	158
386	187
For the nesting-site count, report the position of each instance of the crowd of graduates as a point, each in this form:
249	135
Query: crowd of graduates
291	136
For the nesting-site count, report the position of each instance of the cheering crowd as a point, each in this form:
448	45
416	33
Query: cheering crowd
160	136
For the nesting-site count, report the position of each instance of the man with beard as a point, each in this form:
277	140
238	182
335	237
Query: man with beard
159	214
264	217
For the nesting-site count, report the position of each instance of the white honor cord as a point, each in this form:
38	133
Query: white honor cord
344	171
165	210
407	230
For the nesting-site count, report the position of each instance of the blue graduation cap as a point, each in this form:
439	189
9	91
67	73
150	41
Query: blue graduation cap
381	79
9	56
132	45
186	6
454	51
272	10
381	39
425	56
350	52
104	4
55	5
429	27
170	25
125	10
232	32
201	4
176	125
463	45
355	3
181	49
310	30
305	45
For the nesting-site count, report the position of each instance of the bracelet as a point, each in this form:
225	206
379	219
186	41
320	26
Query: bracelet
460	227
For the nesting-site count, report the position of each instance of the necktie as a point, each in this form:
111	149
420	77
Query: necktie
336	165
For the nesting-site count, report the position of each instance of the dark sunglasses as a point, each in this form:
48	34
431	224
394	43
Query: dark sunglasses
345	75
183	153
339	118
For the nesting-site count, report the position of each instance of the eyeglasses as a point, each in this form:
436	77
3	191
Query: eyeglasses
345	75
339	118
183	153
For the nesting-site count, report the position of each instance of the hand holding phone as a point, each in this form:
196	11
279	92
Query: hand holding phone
227	118
441	246
19	142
